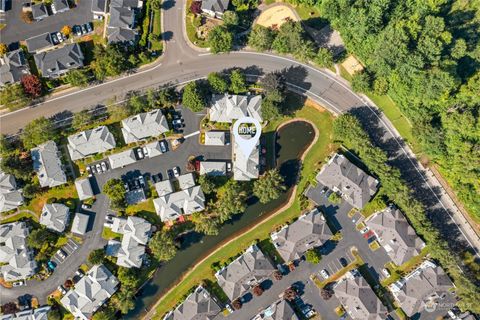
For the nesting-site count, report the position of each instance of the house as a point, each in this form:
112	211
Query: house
215	8
59	6
10	197
215	138
279	310
99	7
55	63
424	285
358	298
309	231
55	216
90	292
47	165
121	27
13	66
227	107
39	43
16	259
131	250
245	168
84	189
80	223
39	11
122	159
29	314
213	168
198	305
85	143
395	235
144	125
353	184
243	273
171	205
153	149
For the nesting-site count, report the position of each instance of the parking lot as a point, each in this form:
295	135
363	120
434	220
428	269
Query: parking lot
67	249
339	263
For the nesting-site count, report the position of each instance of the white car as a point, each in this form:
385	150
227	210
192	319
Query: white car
145	151
60	37
98	167
325	274
104	166
18	283
176	172
229	166
364	230
140	154
62	289
97	17
141	180
61	253
385	272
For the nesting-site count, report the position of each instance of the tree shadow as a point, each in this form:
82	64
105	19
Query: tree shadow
168	4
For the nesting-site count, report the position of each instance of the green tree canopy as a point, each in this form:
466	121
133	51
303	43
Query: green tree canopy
220	39
193	97
269	186
289	37
13	97
261	38
77	78
115	191
238	82
324	58
313	256
109	61
206	183
37	132
205	223
81	119
162	246
123	300
217	82
38	237
231	201
230	18
96	256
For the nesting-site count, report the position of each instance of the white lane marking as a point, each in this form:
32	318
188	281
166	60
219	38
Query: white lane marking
192	134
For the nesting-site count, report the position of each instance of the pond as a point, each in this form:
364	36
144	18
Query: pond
292	140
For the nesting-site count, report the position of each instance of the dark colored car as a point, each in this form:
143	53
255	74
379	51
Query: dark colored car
343	262
51	265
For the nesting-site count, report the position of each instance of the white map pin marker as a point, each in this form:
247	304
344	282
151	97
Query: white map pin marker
247	145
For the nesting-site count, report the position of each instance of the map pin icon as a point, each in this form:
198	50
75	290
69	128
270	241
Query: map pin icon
247	145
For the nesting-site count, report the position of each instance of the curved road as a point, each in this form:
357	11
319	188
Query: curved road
181	63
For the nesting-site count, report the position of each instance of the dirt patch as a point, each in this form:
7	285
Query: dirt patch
276	16
310	103
352	65
5	284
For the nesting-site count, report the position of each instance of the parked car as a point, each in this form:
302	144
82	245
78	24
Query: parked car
79	273
59	37
324	273
364	230
51	265
145	151
372	239
141	180
109	218
94	170
163	146
385	272
86	206
170	174
368	234
84	30
54	38
97	17
177	122
18	283
88	26
99	168
324	189
229	166
104	166
61	289
126	187
62	253
140	154
343	262
77	30
176	171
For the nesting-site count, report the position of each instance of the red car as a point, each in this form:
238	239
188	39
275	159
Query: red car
368	234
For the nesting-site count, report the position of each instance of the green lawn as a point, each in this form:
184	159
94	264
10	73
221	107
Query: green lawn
396	272
157	45
19	216
145	210
319	151
108	234
61	193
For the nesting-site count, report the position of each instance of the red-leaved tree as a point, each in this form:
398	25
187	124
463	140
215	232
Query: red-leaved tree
32	85
196	7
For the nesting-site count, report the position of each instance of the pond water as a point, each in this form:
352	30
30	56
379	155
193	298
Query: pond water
292	139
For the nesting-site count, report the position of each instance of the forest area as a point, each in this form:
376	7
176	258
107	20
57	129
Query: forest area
426	56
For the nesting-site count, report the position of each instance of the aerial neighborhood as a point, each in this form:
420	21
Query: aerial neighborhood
244	160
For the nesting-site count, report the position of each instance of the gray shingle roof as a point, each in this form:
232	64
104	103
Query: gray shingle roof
199	305
54	63
215	138
122	159
55	216
80	223
10	196
153	149
213	168
39	42
39	11
16	257
47	165
122	21
30	314
309	231
226	107
215	6
60	6
99	6
171	206
245	168
13	66
358	298
415	289
90	292
85	143
395	235
355	186
279	310
84	189
144	125
249	269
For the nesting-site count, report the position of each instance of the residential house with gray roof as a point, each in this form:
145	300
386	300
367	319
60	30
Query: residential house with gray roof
29	314
122	159
144	125
227	108
215	8
213	168
358	298
55	216
171	205
47	165
395	235
89	142
246	271
84	189
99	7
246	168
90	292
80	223
16	259
423	286
39	43
153	149
279	310
10	197
39	11
215	138
55	63
13	66
121	26
199	305
59	6
353	184
136	233
310	230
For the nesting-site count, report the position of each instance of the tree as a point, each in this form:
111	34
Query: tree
270	110
289	294
261	38
231	201
118	111
206	183
230	18
32	85
156	4
3	49
128	278
257	290
238	82
6	145
334	198
109	61
162	246
326	293
123	301
107	313
96	256
217	82
17	164
269	186
459	50
193	97
305	51
313	256
27	16
289	37
323	58
115	191
220	39
136	104
80	119
237	304
9	308
196	7
167	97
38	237
66	30
362	82
54	314
205	223
37	132
77	78
277	275
13	97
